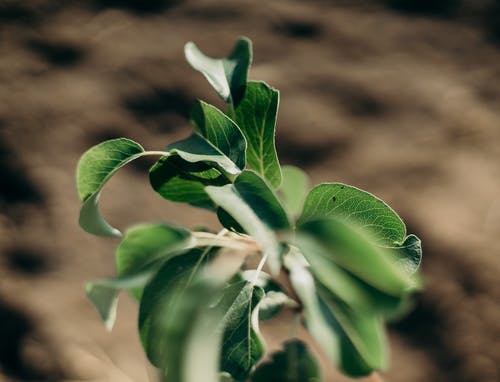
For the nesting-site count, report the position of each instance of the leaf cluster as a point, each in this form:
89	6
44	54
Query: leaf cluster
337	256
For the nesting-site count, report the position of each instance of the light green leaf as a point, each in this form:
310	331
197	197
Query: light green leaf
363	346
347	288
293	189
104	294
355	250
139	255
409	254
179	329
342	201
94	169
295	363
220	131
228	76
256	116
242	346
354	342
255	209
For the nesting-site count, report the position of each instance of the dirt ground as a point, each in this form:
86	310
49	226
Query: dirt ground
401	98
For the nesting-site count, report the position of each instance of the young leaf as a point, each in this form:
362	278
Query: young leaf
256	116
293	189
356	251
253	206
228	76
95	167
342	201
242	346
295	363
220	131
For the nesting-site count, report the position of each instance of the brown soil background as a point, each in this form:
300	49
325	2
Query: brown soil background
400	97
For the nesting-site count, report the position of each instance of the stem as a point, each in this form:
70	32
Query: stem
259	269
236	242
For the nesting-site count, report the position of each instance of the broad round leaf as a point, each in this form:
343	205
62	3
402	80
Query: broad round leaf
365	210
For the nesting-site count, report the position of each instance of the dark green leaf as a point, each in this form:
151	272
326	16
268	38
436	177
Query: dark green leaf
257	194
295	363
95	167
242	346
293	189
220	131
253	206
256	116
355	250
146	245
228	76
193	164
342	201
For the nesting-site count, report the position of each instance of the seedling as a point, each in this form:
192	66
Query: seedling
337	257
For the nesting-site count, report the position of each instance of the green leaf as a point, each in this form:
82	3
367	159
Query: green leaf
228	76
166	293
293	189
355	250
342	201
295	363
94	169
255	208
145	246
346	287
220	131
409	254
256	116
104	294
363	347
257	194
354	342
138	256
242	346
193	164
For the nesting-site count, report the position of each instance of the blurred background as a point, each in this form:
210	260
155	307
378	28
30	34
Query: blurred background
399	97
